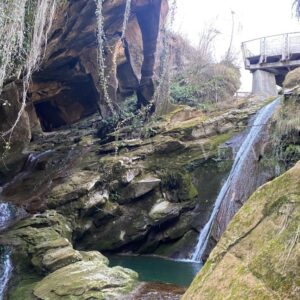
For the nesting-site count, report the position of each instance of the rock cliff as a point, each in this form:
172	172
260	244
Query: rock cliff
67	88
258	255
146	188
87	198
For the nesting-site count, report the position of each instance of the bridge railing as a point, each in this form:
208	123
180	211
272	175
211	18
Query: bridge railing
282	46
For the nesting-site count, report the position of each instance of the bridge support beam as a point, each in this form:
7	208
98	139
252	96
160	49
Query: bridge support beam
264	84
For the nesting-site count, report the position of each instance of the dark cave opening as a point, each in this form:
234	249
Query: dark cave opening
71	103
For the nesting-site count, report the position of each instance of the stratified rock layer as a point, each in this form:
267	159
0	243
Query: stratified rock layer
41	244
258	255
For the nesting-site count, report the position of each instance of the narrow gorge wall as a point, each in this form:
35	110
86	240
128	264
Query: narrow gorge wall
67	87
257	256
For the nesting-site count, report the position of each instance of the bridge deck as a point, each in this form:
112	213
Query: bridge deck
276	54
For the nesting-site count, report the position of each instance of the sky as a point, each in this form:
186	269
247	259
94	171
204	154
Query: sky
253	19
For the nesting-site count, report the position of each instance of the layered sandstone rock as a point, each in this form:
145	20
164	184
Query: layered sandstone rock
67	87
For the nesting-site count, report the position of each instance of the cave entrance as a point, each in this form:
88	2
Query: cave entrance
67	104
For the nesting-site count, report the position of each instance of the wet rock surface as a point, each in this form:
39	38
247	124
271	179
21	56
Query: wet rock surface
43	243
139	201
257	256
68	82
86	279
155	291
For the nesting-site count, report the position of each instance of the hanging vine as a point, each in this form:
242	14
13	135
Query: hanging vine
14	23
126	18
12	15
101	55
163	88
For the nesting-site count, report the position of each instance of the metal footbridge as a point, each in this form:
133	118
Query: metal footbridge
276	55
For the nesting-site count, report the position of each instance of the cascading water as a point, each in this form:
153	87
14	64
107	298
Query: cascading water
6	215
261	119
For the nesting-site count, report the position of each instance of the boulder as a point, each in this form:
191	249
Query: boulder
95	199
154	290
258	255
43	241
292	79
87	279
129	175
74	187
71	274
94	255
138	188
57	258
164	210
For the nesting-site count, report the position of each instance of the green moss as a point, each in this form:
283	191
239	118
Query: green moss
190	155
274	206
187	189
24	288
219	139
178	180
257	256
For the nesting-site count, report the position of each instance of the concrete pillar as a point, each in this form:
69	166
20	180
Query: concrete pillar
264	84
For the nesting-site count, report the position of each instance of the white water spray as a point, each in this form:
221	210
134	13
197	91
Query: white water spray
6	267
260	121
5	271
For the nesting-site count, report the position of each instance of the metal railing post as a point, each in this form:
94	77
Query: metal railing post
262	50
285	47
244	51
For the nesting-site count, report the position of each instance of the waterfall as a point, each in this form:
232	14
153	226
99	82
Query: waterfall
30	164
5	270
6	214
261	119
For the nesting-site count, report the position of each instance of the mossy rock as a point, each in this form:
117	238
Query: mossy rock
258	255
74	187
23	290
292	79
164	210
89	279
179	249
179	183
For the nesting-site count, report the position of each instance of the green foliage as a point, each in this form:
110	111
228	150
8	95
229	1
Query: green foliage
211	84
130	123
115	196
183	93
